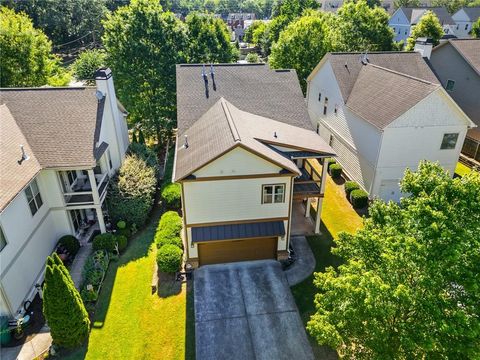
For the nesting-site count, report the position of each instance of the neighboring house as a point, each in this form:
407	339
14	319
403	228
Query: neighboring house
388	5
383	113
457	65
464	19
404	18
58	148
243	142
238	23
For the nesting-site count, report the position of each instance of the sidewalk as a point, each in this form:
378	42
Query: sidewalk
78	264
304	264
30	350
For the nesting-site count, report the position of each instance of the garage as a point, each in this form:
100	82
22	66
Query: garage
237	242
237	250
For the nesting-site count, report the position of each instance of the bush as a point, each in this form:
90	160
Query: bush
359	198
169	258
252	58
70	243
144	153
122	242
350	186
331	161
121	225
132	191
105	242
171	193
95	267
87	64
166	240
124	232
335	171
168	230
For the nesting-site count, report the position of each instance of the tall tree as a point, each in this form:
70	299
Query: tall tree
208	39
476	29
26	57
143	44
406	3
63	307
358	27
293	8
408	286
428	26
301	45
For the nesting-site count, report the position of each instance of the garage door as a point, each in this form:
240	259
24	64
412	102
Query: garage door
237	250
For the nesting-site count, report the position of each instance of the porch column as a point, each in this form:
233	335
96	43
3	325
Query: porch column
317	217
101	221
323	182
307	207
93	185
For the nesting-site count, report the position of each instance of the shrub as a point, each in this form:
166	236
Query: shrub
124	232
165	240
121	225
132	191
144	153
331	161
171	193
70	243
168	229
335	170
89	295
122	242
105	241
88	62
94	268
359	198
252	58
350	186
169	258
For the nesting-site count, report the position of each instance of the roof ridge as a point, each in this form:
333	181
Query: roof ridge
370	52
47	88
231	123
403	74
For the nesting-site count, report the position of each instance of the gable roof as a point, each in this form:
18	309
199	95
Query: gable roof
254	88
14	176
224	127
414	14
469	49
473	13
61	125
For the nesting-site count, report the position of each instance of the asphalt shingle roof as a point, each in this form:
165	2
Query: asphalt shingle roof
415	14
470	50
472	12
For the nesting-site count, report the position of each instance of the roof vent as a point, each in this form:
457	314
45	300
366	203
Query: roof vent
205	80
185	145
364	58
275	135
212	74
24	156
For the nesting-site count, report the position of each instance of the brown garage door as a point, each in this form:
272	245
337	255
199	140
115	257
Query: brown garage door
237	250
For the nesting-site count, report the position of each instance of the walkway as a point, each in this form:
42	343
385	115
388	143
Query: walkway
301	225
78	264
30	350
304	264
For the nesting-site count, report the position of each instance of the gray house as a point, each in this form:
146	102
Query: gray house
457	65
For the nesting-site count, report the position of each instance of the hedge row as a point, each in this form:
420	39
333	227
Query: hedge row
359	198
169	242
171	192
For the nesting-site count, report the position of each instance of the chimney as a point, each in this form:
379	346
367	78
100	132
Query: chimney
424	46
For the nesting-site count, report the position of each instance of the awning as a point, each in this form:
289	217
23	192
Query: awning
238	231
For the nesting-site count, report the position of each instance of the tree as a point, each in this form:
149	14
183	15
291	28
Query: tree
476	29
26	57
357	27
453	5
408	285
293	8
208	40
252	58
248	36
88	63
143	45
406	3
429	27
77	21
301	45
63	307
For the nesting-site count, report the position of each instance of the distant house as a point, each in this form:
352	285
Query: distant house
457	64
58	149
382	113
404	18
388	5
242	159
464	19
239	22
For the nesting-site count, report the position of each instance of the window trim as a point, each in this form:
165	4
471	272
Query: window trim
443	139
34	196
274	186
453	86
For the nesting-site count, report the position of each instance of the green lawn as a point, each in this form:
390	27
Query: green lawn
462	169
130	322
337	215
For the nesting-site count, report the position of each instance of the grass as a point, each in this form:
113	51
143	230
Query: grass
337	215
462	169
131	322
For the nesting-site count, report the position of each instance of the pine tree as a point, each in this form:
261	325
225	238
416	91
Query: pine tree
63	307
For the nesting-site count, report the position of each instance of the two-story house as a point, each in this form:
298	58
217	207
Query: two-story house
457	65
244	146
404	18
464	19
382	113
58	148
388	5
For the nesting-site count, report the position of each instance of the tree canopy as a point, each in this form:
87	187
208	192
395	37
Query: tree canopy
476	29
406	3
428	26
26	57
454	5
408	287
87	63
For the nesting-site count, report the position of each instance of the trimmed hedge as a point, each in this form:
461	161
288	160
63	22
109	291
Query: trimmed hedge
70	243
171	193
105	241
331	161
169	258
164	240
335	170
168	230
121	225
350	186
359	198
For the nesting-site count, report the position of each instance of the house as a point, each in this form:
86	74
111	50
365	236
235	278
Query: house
464	19
384	112
58	148
388	5
238	23
404	18
457	65
243	152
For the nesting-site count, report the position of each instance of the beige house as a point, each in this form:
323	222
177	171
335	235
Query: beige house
242	159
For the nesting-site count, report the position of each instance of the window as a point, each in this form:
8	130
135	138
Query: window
72	177
449	141
3	241
325	105
319	96
466	26
458	26
318	128
33	197
405	32
77	218
450	85
273	194
336	109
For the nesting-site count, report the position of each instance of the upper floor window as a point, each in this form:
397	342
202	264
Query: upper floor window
72	177
33	197
449	141
3	241
318	128
466	26
319	96
450	85
273	193
335	110
325	105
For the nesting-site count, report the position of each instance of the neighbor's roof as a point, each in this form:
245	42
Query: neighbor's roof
61	125
254	88
473	13
414	14
469	49
14	176
224	127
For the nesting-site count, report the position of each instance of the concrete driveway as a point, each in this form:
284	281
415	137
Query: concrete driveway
246	311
